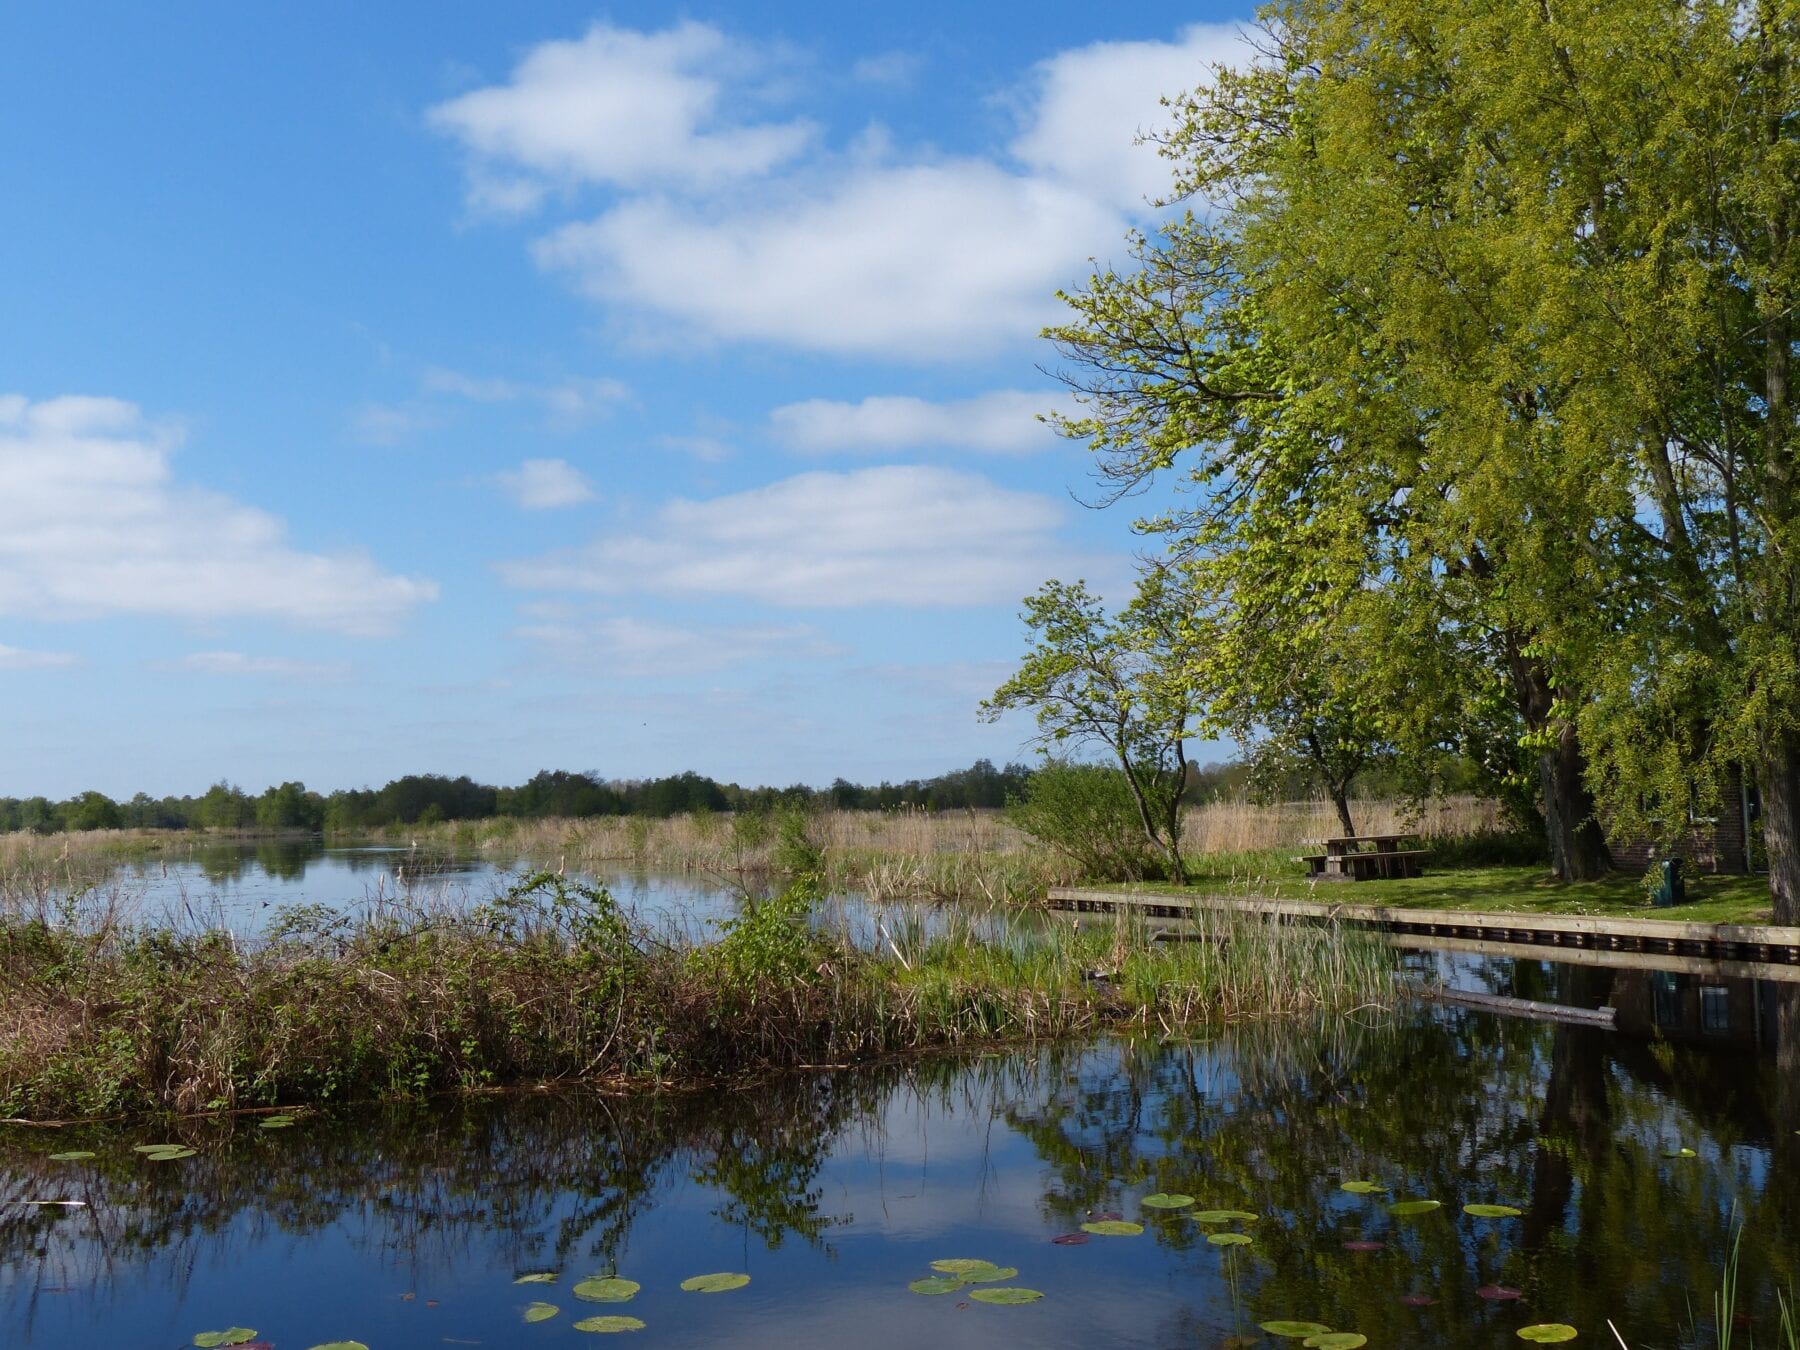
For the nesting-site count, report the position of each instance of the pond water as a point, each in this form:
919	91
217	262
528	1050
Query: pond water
408	1228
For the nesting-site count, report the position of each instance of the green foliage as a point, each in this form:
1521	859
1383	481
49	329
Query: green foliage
1087	813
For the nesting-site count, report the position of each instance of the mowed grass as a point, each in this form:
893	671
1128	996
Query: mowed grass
1518	890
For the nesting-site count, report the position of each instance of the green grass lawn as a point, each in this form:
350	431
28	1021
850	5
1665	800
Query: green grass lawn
1524	890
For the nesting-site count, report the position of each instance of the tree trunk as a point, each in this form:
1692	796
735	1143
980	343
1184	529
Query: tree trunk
1340	798
1578	849
1780	780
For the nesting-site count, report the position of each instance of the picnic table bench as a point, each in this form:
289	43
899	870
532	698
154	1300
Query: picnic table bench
1355	857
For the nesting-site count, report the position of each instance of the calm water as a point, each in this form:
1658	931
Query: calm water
407	1229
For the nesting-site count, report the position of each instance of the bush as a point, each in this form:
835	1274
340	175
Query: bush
1087	813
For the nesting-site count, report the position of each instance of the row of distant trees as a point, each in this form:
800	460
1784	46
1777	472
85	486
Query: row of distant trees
556	793
427	798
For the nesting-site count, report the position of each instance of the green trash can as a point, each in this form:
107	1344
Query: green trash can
1668	888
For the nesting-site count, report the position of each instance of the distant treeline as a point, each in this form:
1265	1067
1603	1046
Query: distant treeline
426	798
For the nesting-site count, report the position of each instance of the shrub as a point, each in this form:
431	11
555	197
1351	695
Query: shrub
1087	813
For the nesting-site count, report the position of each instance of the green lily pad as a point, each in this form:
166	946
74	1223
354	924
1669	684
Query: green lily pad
1166	1200
1548	1333
207	1340
719	1283
1224	1216
155	1148
169	1155
540	1312
1006	1298
277	1122
1295	1331
609	1325
341	1345
73	1155
1492	1211
1336	1340
1362	1187
608	1289
975	1272
1228	1239
1113	1227
537	1277
1407	1208
936	1284
1680	1153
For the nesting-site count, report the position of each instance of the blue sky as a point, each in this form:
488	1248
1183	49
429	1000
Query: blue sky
484	388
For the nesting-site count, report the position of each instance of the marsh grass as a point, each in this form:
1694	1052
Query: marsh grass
551	981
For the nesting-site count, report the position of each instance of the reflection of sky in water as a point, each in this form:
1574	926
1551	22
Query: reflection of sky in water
833	1191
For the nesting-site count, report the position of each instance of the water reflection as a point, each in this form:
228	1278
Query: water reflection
834	1190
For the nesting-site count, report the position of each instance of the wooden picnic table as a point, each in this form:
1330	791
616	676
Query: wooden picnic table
1358	857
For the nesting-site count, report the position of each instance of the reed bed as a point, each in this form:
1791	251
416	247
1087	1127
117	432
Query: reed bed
552	982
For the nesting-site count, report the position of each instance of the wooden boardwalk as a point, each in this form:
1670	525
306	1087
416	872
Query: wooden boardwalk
1750	951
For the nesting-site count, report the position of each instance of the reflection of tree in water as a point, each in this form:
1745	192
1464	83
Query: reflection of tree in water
1567	1123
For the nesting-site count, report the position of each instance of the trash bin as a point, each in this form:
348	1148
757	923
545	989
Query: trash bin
1668	888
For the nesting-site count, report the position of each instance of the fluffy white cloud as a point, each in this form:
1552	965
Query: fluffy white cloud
238	663
757	233
923	261
895	535
1004	422
632	647
621	107
543	484
92	522
1090	104
20	658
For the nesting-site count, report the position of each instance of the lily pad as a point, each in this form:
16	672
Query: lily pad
169	1155
537	1277
1363	1245
1070	1239
540	1312
936	1284
1103	1215
1336	1340
276	1122
609	1325
207	1340
1224	1216
1498	1293
1006	1298
73	1155
1294	1331
1492	1211
1548	1333
1166	1200
1408	1208
155	1148
719	1283
605	1289
1680	1153
1418	1300
1229	1239
1362	1187
1113	1228
341	1345
972	1270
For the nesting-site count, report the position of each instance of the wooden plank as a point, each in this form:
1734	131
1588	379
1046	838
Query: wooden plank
1591	928
1518	1007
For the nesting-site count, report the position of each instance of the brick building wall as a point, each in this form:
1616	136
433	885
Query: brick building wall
1709	844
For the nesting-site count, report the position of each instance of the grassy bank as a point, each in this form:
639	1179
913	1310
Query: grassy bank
552	982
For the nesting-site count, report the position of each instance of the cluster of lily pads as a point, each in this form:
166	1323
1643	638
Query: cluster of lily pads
174	1153
613	1289
245	1339
957	1272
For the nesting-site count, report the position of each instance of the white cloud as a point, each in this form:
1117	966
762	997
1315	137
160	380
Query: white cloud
620	107
923	262
20	658
92	522
1092	102
391	423
631	647
544	484
890	68
894	535
1003	422
237	663
570	403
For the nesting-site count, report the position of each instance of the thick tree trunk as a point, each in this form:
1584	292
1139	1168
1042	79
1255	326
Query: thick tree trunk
1578	849
1340	798
1780	780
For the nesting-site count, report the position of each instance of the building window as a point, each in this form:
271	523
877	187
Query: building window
1665	999
1715	1009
